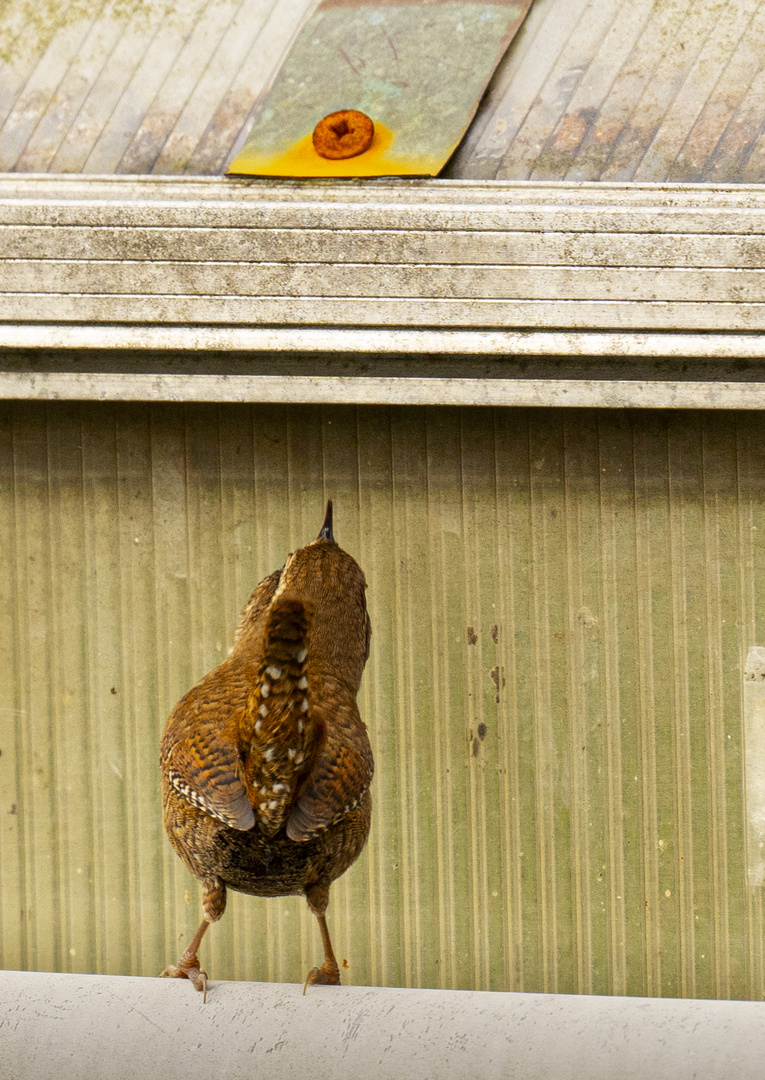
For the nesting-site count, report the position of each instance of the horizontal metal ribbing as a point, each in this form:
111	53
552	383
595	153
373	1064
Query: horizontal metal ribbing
360	390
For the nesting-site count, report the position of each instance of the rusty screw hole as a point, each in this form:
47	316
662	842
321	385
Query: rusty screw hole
343	134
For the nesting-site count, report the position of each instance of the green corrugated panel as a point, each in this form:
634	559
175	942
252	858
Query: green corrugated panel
561	602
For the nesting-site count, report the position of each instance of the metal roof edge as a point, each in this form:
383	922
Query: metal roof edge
50	307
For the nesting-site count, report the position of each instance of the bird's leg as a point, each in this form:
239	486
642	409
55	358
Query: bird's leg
214	903
188	965
329	973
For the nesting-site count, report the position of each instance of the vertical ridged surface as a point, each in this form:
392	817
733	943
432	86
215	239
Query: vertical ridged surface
562	604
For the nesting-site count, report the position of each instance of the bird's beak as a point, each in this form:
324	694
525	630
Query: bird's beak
325	533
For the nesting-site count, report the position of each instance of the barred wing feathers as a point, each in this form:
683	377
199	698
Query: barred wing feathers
341	773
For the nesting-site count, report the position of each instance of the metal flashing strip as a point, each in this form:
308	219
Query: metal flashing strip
320	339
413	72
474	271
361	390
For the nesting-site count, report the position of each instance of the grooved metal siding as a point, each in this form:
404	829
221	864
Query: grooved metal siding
644	90
134	86
562	604
469	293
589	90
456	255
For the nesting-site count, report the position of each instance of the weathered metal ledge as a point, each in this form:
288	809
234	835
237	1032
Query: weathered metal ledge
87	1027
361	390
575	344
496	273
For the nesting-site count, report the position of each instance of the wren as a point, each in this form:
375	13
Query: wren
266	763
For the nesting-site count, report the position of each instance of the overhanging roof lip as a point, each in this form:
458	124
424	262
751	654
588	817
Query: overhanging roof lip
366	184
142	311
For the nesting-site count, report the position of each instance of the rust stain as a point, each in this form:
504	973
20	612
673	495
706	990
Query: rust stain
471	636
569	135
675	92
596	148
691	162
607	140
559	156
343	134
498	678
302	160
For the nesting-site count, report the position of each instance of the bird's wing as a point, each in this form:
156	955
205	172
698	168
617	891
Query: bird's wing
341	773
200	757
200	748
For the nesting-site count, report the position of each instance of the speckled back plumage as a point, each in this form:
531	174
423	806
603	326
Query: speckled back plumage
266	763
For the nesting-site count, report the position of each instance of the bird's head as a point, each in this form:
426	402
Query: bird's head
333	583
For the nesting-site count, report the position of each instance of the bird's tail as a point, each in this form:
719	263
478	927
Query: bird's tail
277	725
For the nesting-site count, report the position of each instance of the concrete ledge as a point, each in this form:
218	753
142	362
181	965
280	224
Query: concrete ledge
88	1027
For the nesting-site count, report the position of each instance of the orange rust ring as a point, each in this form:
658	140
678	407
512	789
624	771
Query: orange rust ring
343	134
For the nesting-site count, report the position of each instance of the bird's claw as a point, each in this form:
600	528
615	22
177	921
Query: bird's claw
323	976
188	970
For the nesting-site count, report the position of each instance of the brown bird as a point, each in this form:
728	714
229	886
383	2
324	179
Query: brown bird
266	763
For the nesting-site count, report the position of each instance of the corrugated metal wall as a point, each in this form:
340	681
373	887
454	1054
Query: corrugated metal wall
657	90
561	601
646	90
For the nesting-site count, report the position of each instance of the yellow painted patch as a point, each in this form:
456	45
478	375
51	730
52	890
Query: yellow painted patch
302	160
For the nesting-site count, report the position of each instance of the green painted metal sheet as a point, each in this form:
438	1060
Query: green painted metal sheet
562	605
416	68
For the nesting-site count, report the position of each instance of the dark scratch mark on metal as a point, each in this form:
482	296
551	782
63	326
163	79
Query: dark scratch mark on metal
349	62
392	46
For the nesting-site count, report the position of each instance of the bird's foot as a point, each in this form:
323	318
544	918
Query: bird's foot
327	975
188	968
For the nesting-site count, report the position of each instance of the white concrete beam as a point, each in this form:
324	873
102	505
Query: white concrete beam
92	1027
